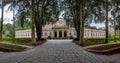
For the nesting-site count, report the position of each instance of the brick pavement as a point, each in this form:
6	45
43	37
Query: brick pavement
57	51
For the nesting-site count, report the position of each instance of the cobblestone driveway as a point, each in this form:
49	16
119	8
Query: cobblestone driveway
57	51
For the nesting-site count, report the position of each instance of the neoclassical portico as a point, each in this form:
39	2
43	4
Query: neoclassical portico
60	33
60	29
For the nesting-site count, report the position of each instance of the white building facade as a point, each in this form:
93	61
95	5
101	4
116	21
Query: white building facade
61	30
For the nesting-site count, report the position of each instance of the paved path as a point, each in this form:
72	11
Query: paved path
57	51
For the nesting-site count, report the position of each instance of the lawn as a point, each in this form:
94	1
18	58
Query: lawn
5	47
95	41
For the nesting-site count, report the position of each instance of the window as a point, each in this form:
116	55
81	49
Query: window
74	33
50	33
45	33
70	33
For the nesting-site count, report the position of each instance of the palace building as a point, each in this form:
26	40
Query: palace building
61	30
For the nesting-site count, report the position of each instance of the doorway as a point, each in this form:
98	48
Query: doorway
55	34
60	34
65	34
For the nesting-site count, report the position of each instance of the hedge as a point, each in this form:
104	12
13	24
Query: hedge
94	41
18	40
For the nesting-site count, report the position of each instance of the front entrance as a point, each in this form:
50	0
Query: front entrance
65	34
55	33
60	34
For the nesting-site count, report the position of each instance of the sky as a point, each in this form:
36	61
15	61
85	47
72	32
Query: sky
8	16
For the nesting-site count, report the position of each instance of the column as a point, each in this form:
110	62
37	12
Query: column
62	33
57	33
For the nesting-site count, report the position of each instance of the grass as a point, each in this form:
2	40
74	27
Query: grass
95	41
92	43
18	40
10	47
23	41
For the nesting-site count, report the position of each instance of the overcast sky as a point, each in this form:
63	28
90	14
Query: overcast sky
8	16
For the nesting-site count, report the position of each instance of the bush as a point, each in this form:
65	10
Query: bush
75	39
91	41
49	37
11	46
43	39
18	40
71	37
112	39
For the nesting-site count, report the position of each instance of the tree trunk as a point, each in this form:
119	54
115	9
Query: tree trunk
114	31
119	33
33	23
106	23
38	30
1	28
81	26
37	24
13	25
76	20
77	27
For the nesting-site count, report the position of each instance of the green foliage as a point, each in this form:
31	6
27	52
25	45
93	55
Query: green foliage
8	30
71	37
93	41
21	26
112	39
49	37
90	27
11	46
18	40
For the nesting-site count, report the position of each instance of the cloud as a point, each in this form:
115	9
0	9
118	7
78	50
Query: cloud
98	25
8	15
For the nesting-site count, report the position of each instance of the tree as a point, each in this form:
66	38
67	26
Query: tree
81	12
2	5
115	13
103	5
42	12
106	23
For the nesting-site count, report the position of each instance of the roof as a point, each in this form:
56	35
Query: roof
61	23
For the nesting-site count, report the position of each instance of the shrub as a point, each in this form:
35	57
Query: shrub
91	41
18	40
71	37
75	39
11	46
43	39
49	37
